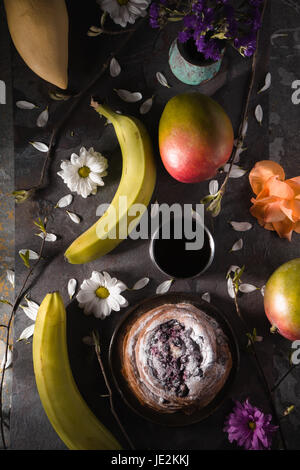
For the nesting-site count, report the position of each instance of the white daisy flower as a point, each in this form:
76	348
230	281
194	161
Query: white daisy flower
83	173
124	11
101	294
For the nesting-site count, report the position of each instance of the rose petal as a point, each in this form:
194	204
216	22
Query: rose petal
284	228
278	188
262	171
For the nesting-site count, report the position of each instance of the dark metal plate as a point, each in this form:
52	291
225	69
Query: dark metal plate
116	359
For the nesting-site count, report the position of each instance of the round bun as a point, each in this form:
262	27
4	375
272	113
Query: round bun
176	357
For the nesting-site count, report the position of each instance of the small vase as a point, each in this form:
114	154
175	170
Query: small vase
190	66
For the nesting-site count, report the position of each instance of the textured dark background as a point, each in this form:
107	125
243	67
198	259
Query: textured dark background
278	139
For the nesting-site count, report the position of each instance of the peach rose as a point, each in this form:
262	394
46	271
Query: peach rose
277	202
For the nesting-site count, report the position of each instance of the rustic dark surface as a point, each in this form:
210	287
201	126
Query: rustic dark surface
263	251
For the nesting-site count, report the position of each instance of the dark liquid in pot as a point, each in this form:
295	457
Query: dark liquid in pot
173	257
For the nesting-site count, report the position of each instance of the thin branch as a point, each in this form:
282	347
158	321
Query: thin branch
110	395
261	370
8	326
291	368
214	202
246	106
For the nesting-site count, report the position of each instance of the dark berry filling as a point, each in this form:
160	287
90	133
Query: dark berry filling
174	357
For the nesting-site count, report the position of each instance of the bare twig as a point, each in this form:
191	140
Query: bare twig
261	370
8	327
290	369
246	106
110	395
214	203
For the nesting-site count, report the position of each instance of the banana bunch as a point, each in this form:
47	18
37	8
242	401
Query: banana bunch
136	187
68	413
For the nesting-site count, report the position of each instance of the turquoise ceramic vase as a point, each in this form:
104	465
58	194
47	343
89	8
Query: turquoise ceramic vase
190	67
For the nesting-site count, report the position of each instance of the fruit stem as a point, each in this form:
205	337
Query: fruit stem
103	109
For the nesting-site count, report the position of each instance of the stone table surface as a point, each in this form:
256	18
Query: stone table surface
277	138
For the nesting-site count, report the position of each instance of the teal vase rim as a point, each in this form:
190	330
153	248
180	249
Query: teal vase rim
202	63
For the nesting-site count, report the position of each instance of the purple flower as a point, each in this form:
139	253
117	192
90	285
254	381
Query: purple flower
249	427
184	36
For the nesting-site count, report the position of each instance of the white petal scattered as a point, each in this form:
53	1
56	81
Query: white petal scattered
9	356
259	114
262	290
241	226
245	128
235	172
128	96
31	310
25	105
65	201
162	79
43	118
40	146
114	67
237	245
72	284
213	187
164	286
32	254
233	268
27	333
238	152
267	84
206	296
10	274
74	217
141	283
247	288
146	106
49	237
230	288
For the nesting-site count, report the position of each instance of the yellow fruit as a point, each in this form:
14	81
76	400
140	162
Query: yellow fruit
136	185
68	413
39	30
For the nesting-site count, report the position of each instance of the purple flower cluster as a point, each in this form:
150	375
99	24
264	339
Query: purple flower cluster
211	22
250	427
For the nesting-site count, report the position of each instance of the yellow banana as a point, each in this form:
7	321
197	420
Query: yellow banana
68	413
137	185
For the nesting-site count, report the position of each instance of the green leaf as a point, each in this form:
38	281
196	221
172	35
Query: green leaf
40	225
25	258
288	410
22	195
4	301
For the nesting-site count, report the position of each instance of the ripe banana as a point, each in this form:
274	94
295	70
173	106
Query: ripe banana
137	185
68	413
